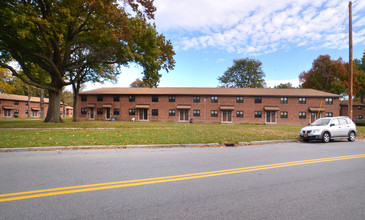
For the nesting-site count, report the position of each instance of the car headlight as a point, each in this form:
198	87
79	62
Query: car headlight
316	131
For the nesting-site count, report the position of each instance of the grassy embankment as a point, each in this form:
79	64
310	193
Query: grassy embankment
69	133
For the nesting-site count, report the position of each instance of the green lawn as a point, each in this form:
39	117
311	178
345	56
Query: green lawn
125	133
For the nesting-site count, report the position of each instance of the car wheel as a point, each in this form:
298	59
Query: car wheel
306	140
352	136
326	137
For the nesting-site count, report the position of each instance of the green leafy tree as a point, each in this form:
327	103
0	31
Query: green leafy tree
359	65
71	40
245	73
6	81
138	83
284	86
326	75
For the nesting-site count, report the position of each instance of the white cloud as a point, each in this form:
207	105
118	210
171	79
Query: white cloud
254	27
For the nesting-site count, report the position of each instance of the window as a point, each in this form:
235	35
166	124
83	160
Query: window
196	99
214	99
154	112
359	116
26	112
154	98
26	103
16	102
258	114
61	106
302	101
99	98
99	111
16	111
83	111
116	98
283	114
214	113
302	115
239	99
329	101
172	112
83	98
171	98
359	107
258	100
116	111
329	114
284	100
132	98
239	114
132	111
196	113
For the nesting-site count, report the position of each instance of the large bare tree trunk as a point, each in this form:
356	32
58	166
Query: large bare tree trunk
76	90
42	103
53	113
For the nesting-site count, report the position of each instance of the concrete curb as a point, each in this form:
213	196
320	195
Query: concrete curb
252	143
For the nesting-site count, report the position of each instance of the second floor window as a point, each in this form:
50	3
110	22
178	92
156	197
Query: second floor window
83	98
99	98
258	99
171	98
239	99
284	100
329	101
16	102
154	98
214	99
132	98
116	98
196	99
302	101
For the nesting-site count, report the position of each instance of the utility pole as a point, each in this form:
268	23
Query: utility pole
351	80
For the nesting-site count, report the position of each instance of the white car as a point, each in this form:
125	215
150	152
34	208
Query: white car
329	128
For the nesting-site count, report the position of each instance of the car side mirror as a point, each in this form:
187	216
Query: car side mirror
331	125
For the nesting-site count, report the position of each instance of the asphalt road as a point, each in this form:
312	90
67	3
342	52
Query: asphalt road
252	182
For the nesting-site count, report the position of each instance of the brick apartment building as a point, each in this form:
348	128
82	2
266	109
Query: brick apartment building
17	106
358	110
217	105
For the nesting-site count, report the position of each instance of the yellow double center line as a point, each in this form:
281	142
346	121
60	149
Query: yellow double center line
138	182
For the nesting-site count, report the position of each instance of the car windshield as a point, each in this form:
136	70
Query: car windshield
321	122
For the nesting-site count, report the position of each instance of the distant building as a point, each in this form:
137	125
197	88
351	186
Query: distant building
218	105
17	106
358	110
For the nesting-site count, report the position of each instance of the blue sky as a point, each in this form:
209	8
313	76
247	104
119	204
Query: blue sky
285	35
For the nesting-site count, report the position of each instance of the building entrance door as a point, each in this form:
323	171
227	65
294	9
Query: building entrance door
184	115
143	114
91	114
227	116
271	117
107	114
315	116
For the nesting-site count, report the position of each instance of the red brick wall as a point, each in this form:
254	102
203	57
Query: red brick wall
21	108
205	106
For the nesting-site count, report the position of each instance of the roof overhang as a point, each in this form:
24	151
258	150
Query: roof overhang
271	108
90	106
106	106
316	109
226	107
183	107
8	107
142	106
36	109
